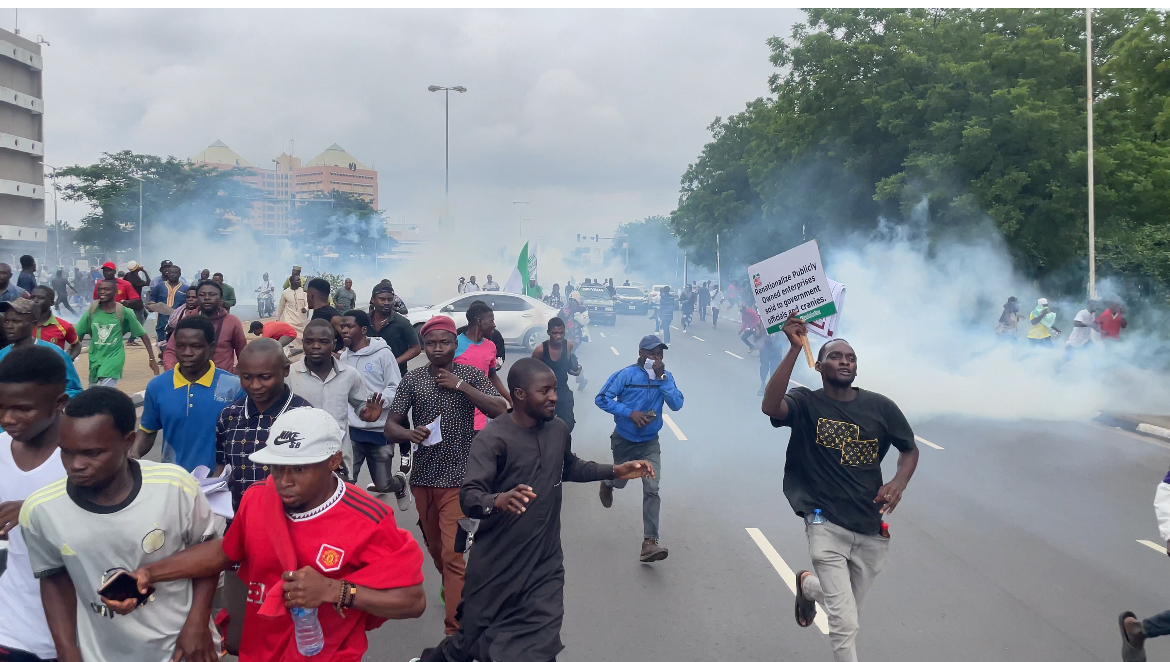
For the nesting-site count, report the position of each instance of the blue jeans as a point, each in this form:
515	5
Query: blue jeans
666	329
1157	626
626	451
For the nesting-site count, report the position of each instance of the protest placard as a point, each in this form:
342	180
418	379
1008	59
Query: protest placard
826	327
792	282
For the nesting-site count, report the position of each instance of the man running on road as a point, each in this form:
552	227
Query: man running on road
634	395
833	479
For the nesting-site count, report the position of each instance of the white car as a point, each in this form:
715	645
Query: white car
656	294
521	320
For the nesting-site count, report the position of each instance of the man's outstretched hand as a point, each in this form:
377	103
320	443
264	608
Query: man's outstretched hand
633	469
795	329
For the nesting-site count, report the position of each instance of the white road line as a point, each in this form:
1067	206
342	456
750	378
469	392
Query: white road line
733	354
614	350
675	327
934	446
673	428
1153	545
602	334
698	338
785	573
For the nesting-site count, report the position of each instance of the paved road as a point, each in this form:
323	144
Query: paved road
1014	541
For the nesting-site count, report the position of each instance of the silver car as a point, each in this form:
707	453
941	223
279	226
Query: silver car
521	320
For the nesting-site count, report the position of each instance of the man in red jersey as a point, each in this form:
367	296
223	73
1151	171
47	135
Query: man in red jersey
356	567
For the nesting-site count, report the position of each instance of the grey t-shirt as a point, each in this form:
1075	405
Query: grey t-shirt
166	512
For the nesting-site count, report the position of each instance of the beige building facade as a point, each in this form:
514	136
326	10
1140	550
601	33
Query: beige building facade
22	149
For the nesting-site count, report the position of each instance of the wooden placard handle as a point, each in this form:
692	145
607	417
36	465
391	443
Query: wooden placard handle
808	351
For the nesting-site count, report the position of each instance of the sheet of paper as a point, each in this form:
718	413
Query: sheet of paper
436	432
215	488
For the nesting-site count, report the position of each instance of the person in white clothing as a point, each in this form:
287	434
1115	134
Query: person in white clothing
471	285
294	305
491	285
373	359
1085	327
32	395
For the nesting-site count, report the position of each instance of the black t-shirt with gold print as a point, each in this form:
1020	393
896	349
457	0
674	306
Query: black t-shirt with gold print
835	453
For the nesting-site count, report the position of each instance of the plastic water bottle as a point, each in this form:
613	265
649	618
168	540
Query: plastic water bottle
307	629
817	518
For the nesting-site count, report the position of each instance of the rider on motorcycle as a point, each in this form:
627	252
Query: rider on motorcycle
266	299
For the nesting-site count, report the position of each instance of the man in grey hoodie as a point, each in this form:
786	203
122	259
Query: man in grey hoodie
374	361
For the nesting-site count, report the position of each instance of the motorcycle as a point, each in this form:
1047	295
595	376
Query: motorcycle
265	304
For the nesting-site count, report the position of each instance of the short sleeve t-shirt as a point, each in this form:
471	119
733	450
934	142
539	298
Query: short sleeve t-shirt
481	356
1110	325
443	464
277	330
350	536
835	452
22	620
107	352
165	512
57	331
327	313
187	413
399	334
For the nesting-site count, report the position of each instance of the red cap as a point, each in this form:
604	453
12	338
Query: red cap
110	265
440	323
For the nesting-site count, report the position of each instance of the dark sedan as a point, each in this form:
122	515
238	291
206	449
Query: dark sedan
632	300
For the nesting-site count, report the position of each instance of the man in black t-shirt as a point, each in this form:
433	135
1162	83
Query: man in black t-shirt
833	479
317	295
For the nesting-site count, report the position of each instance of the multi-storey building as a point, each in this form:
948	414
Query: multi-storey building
289	182
22	149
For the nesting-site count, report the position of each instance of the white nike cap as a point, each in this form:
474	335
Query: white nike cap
300	436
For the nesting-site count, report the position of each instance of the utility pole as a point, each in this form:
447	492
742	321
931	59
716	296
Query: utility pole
1089	107
447	140
718	263
521	209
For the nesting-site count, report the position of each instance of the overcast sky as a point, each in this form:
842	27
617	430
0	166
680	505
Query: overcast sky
592	116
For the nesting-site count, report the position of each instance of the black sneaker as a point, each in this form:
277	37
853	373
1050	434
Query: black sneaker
606	495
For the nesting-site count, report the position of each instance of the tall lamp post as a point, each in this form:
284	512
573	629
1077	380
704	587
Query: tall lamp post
140	182
1089	108
447	132
521	202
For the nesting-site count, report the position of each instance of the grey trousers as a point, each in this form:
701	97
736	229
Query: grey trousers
379	459
844	567
626	451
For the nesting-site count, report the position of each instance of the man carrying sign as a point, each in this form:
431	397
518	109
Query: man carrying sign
833	480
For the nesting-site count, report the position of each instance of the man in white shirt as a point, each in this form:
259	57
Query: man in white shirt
112	513
1085	327
471	286
32	395
293	308
333	386
491	285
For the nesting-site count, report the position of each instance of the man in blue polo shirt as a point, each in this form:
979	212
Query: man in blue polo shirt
635	395
185	402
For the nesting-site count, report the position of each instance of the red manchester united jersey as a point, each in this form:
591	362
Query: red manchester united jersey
351	536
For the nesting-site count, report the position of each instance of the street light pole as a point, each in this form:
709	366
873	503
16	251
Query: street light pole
1089	108
447	138
518	202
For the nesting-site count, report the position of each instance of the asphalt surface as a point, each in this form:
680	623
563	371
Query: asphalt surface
1013	542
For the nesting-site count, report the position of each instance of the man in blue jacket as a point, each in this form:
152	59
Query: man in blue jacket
634	395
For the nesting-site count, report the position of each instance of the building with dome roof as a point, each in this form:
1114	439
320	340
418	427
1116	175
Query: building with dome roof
289	181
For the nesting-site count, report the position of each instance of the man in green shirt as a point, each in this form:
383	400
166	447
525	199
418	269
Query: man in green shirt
107	354
229	293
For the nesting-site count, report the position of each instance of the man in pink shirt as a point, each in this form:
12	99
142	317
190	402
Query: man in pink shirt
477	350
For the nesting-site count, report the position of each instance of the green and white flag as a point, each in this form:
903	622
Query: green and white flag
518	280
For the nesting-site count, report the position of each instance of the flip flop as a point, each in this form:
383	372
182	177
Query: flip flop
806	610
1128	652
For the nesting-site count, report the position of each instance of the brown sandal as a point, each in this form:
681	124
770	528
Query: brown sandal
806	610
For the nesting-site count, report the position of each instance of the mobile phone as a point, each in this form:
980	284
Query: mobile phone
122	586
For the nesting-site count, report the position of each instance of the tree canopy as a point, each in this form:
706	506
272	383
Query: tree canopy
978	113
202	198
348	223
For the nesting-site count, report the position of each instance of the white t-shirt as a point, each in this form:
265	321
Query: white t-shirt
1081	335
165	513
22	620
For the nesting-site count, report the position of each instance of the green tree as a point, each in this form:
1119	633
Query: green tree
196	196
348	223
978	113
649	244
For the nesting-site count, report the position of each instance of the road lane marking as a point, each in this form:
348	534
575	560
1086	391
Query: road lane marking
733	354
602	334
673	428
674	327
785	573
1153	545
934	446
614	350
698	338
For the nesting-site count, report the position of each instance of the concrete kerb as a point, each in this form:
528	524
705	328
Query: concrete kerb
1131	425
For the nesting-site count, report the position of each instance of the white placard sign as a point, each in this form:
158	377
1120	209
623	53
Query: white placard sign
793	281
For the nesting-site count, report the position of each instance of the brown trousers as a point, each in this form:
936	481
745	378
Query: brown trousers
438	517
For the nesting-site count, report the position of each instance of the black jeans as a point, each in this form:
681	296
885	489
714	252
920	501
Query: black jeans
17	655
1157	626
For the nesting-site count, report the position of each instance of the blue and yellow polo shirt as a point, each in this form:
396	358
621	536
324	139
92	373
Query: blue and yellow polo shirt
187	412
